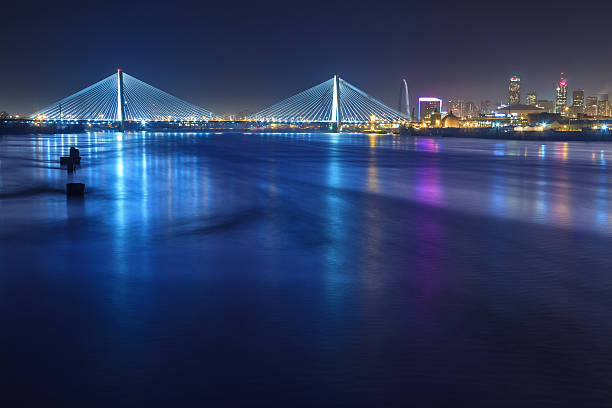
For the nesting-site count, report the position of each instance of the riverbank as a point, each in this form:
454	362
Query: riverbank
503	134
25	127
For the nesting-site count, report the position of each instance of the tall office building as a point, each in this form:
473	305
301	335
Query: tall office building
561	98
428	106
591	106
531	98
603	107
514	90
578	102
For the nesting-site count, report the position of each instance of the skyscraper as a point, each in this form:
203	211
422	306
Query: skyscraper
514	90
428	106
603	107
591	106
578	101
561	98
531	98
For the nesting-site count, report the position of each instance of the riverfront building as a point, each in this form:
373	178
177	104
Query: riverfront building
520	110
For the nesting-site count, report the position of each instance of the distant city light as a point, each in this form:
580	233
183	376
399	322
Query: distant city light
427	102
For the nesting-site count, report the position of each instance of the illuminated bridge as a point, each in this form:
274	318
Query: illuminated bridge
335	101
120	98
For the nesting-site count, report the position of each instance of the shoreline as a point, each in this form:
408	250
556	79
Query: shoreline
502	134
588	135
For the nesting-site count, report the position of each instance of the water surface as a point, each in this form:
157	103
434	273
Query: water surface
305	270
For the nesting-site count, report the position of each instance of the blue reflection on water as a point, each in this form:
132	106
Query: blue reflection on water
499	149
366	268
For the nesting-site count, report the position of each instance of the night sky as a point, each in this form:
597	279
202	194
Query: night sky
232	56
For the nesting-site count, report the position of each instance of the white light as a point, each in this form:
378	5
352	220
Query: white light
119	107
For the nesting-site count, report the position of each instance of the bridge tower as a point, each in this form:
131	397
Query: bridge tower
335	116
120	100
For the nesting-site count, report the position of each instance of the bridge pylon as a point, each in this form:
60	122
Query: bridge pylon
335	114
334	102
120	100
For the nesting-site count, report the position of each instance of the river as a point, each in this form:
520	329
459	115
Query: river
305	270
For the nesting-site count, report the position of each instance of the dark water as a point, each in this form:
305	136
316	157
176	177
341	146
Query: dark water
305	270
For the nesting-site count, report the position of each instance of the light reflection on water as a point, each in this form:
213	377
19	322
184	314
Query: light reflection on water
370	268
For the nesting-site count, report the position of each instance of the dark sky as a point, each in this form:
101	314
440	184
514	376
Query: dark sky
230	56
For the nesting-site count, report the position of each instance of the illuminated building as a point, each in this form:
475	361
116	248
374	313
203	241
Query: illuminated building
470	110
604	110
428	106
603	107
462	109
519	110
561	98
457	107
514	90
486	107
450	121
435	119
591	106
531	99
548	106
578	102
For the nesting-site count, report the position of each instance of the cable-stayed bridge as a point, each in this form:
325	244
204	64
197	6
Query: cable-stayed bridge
334	101
119	98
